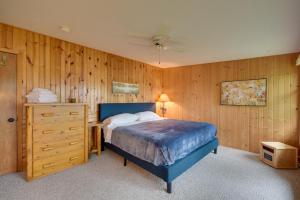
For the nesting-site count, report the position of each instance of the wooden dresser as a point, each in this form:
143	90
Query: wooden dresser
57	137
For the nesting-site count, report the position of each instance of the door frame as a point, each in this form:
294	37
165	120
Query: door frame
19	101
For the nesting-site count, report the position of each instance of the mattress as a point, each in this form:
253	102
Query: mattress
162	142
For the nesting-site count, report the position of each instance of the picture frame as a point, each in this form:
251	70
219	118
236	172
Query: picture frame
125	88
250	92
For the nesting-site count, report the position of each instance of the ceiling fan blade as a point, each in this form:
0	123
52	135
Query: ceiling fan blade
139	36
178	50
174	49
141	45
175	42
163	30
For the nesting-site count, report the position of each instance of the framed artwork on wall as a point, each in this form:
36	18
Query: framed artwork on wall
244	92
124	88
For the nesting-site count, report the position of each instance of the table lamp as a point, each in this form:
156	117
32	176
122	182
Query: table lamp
163	98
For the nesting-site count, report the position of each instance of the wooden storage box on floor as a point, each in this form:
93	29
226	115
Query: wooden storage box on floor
279	155
57	138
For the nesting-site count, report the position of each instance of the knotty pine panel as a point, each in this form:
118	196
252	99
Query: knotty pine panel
74	71
195	95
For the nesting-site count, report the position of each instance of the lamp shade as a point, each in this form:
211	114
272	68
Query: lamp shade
164	97
298	61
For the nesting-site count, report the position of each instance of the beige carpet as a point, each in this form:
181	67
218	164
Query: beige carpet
231	174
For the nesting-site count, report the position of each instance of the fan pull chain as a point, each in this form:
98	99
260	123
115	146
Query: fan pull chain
159	49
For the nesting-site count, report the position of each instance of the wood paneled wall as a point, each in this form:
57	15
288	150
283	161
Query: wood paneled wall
72	70
195	95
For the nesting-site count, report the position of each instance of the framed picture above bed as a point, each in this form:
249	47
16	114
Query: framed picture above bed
124	88
244	92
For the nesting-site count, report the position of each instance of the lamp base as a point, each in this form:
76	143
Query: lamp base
163	111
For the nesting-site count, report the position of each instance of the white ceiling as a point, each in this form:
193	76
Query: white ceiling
209	30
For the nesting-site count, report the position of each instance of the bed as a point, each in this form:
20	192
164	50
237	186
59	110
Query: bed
158	146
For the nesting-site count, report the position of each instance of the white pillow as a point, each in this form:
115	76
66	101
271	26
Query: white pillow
121	119
147	115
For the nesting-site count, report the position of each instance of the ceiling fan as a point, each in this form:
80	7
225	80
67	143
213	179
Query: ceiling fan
160	42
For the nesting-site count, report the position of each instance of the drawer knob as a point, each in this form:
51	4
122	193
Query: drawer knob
47	114
73	128
48	131
48	165
47	148
74	158
11	120
74	113
73	143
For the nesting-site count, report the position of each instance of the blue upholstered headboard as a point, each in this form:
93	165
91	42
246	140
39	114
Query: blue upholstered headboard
109	109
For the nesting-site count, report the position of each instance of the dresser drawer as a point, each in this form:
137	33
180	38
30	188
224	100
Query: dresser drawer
50	132
56	114
54	164
48	149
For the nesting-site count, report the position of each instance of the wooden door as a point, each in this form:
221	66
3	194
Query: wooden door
8	134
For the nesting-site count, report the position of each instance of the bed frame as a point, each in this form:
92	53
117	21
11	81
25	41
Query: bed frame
166	172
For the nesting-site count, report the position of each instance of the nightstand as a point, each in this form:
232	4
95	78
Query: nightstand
96	137
279	155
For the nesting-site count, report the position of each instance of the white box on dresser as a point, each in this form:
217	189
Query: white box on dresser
56	137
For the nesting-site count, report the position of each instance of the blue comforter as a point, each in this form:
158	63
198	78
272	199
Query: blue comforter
162	142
